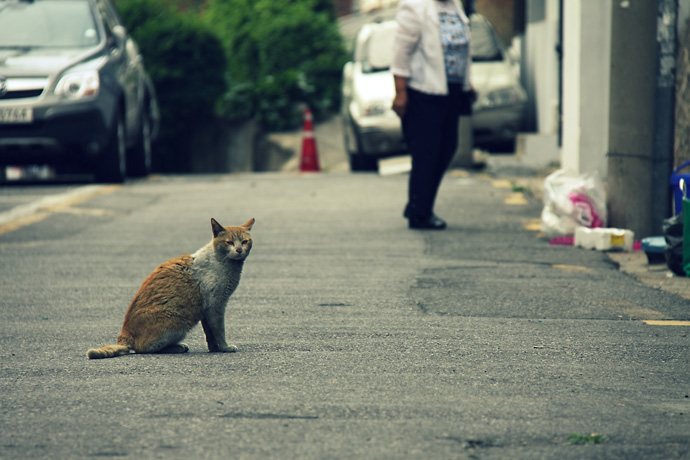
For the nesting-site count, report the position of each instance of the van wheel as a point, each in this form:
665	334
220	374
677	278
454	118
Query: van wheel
113	165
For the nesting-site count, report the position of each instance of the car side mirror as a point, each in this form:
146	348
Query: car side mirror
119	36
347	70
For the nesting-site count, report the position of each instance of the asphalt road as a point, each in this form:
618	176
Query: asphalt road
358	338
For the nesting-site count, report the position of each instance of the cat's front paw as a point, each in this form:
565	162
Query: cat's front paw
222	349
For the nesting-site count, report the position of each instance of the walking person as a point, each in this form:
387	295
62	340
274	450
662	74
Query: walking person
431	68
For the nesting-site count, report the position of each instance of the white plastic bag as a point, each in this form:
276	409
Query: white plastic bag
571	201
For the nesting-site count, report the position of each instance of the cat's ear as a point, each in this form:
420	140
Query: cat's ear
217	228
249	224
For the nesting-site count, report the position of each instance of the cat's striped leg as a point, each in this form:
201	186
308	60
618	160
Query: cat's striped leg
161	342
215	335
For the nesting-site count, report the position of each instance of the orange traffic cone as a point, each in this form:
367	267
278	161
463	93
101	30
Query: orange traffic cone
309	161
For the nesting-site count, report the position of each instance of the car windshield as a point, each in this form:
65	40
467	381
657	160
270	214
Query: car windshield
47	23
377	50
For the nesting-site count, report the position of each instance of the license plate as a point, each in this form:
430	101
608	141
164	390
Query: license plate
16	115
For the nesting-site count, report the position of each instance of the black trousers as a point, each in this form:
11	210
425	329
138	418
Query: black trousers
430	127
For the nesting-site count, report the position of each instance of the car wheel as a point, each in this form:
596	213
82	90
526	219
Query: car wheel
348	133
358	160
113	165
363	163
139	159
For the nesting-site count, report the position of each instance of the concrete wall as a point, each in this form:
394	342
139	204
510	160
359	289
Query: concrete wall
586	75
539	70
223	147
540	65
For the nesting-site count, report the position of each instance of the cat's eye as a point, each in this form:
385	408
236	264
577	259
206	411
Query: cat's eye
244	241
231	243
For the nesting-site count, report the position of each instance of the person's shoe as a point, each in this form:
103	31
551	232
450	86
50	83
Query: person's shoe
427	223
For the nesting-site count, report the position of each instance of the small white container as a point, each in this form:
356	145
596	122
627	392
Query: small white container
604	239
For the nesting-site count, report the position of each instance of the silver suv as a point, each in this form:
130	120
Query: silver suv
74	93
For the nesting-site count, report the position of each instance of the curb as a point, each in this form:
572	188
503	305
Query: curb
635	263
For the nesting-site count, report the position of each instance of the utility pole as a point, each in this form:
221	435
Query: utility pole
631	115
664	110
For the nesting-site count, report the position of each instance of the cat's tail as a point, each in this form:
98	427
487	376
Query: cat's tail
123	347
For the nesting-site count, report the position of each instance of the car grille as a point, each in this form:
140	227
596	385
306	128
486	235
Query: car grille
22	94
22	88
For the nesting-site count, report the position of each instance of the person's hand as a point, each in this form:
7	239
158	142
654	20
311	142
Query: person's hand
400	99
400	102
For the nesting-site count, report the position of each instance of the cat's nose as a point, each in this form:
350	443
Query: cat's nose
239	250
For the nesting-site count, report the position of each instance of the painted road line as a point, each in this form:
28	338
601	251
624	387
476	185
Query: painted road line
501	183
516	199
36	211
512	199
571	268
533	225
459	173
667	323
70	201
23	221
45	202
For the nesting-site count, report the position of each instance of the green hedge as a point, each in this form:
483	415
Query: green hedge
237	59
281	54
187	64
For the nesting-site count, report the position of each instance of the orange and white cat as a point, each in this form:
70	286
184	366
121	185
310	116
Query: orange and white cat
180	293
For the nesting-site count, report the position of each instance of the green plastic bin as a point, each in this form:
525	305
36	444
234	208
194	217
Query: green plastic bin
686	226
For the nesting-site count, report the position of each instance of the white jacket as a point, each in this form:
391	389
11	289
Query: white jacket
417	51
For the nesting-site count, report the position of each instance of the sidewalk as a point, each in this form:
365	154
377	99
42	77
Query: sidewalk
633	263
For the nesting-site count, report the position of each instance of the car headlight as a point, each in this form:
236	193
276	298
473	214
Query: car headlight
507	96
78	85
